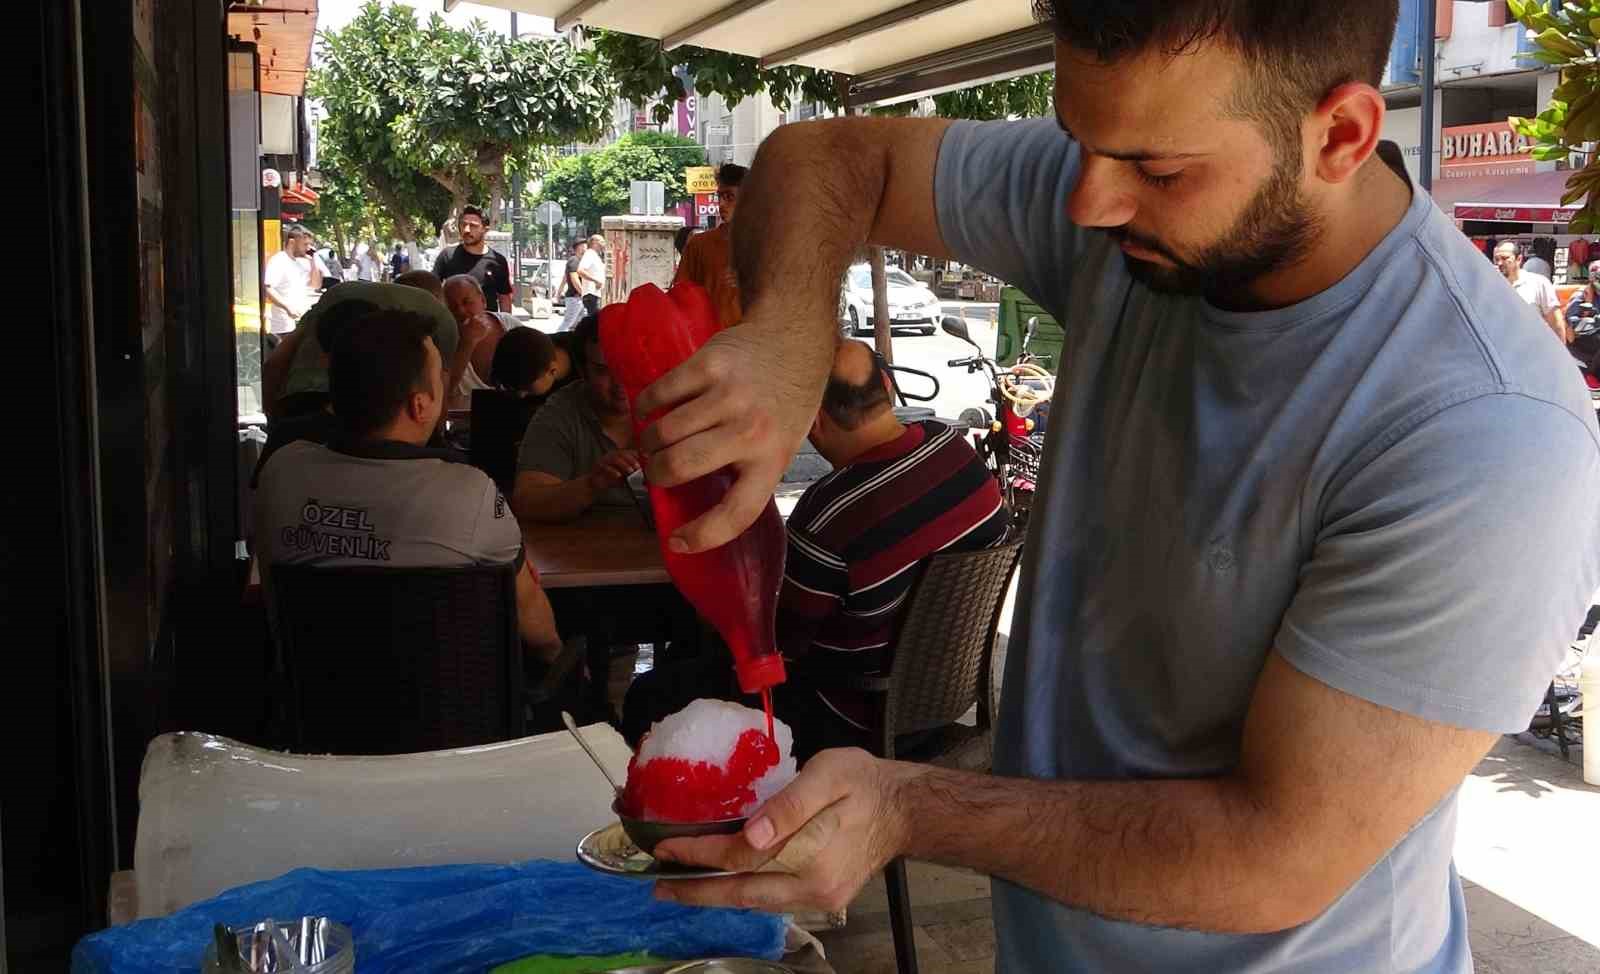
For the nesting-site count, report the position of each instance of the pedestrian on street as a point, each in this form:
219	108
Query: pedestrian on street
1534	289
289	281
592	273
473	256
1317	523
572	288
368	266
708	258
399	262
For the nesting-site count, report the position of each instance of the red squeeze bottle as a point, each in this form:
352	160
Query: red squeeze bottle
735	586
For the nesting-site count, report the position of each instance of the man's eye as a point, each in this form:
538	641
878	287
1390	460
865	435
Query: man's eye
1157	179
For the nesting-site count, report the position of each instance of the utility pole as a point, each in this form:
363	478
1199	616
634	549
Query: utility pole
1425	29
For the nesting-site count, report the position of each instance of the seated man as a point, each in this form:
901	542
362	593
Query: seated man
481	331
578	450
417	507
294	378
898	493
526	364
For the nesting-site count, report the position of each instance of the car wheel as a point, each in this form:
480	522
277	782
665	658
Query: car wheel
855	323
929	330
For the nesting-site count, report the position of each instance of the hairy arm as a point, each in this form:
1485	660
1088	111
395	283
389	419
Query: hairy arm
816	193
541	497
1326	785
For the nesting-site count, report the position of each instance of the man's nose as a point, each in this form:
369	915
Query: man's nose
1100	199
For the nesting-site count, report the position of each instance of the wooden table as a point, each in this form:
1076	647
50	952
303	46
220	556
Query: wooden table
606	580
605	548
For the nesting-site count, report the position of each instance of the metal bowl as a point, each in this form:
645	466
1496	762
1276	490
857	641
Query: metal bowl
647	834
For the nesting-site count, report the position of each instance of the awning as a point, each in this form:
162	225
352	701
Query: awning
893	50
303	195
1524	198
283	31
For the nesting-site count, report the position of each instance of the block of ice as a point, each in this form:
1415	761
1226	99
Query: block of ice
710	761
214	813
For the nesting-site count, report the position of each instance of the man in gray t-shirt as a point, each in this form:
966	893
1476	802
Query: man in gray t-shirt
377	496
578	450
1316	518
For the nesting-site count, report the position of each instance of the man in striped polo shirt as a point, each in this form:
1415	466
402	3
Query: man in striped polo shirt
898	493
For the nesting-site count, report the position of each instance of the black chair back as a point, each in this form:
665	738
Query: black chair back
498	421
396	660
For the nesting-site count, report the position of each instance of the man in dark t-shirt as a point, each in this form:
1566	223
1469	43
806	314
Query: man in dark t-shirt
474	257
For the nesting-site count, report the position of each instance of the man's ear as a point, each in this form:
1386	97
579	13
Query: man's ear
417	406
1347	126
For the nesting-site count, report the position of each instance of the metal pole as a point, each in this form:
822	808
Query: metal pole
1425	27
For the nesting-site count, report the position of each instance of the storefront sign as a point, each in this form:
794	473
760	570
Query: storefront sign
705	209
1490	149
688	106
1515	214
700	179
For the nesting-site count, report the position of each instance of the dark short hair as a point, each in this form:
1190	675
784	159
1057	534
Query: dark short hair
849	404
467	211
377	361
1296	52
585	333
333	319
295	230
422	281
580	242
680	240
521	357
729	174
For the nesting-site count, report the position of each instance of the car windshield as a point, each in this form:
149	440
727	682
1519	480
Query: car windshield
898	276
861	279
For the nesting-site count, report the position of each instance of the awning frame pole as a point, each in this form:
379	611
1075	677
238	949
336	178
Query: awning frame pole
1425	32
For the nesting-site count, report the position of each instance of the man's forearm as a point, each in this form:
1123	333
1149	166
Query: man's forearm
796	236
1198	853
553	502
272	298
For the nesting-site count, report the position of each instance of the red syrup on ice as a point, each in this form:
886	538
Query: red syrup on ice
669	789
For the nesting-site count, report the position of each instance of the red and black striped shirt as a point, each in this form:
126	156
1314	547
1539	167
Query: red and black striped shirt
856	537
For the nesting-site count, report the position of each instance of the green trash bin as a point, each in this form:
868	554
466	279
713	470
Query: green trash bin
1016	309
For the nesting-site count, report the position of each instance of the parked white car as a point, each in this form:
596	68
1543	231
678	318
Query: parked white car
911	305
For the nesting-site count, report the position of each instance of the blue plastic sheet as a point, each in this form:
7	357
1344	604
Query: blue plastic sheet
446	918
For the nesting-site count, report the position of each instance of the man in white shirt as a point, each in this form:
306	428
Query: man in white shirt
291	277
1534	289
592	273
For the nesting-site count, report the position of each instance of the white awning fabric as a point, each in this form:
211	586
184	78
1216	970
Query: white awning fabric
892	49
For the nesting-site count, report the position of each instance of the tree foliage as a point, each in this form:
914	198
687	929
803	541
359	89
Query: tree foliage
423	110
595	184
643	70
1567	37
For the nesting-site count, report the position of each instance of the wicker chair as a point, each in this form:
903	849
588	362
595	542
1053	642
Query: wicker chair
943	654
396	660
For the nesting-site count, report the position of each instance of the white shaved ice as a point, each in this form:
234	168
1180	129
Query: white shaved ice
707	730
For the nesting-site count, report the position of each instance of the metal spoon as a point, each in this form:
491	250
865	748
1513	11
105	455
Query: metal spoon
572	728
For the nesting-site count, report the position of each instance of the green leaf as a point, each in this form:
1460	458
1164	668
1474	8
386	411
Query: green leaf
1549	153
1557	42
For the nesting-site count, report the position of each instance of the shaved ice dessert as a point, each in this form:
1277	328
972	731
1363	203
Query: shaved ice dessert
709	762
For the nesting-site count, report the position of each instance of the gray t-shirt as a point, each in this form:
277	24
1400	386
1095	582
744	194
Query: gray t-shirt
1392	482
564	439
318	506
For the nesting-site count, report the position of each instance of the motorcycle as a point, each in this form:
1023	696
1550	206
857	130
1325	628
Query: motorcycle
1011	440
1585	347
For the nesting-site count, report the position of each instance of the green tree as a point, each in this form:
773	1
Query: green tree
428	116
595	184
643	72
1567	36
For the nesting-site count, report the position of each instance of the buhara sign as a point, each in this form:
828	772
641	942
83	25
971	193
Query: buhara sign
1489	149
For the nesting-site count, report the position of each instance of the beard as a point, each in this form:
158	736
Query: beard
1276	229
